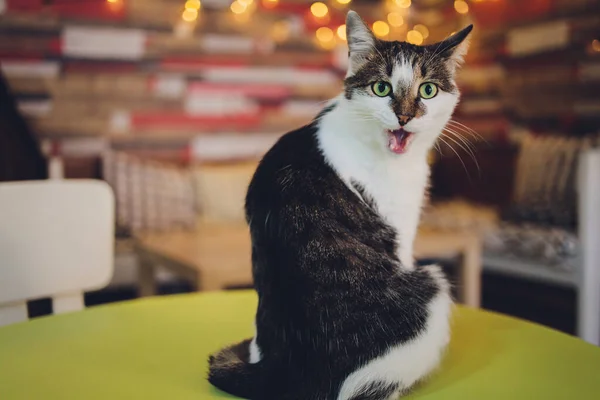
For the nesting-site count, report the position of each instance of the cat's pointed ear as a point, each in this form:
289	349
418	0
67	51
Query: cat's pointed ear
361	41
453	48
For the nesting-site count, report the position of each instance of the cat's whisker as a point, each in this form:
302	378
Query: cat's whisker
457	155
466	148
463	139
466	134
466	145
466	130
471	131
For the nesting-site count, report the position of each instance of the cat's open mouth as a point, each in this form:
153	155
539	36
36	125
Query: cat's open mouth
399	140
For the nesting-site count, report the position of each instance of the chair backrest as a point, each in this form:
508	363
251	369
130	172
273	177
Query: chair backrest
589	236
56	240
221	190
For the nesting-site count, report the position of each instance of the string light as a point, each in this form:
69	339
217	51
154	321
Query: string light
414	37
115	4
403	3
461	6
422	29
395	19
324	34
341	32
237	7
344	1
380	28
319	9
189	15
193	4
245	3
596	45
270	3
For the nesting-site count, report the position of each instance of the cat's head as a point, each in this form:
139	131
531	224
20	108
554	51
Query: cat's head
407	92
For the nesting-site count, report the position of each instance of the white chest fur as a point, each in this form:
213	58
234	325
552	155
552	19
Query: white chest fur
397	183
398	193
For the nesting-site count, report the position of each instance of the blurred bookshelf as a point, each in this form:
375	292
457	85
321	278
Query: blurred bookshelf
151	76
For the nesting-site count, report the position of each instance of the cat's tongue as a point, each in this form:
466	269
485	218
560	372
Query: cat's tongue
399	140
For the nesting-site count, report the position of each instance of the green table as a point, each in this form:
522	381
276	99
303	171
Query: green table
156	348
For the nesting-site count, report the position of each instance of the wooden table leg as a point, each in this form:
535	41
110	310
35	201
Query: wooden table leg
470	274
146	276
206	283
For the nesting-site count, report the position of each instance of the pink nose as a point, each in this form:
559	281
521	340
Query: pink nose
403	119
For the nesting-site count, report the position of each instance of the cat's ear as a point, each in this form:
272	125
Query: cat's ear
361	41
454	48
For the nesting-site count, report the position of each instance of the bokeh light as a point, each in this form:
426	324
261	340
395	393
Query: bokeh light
193	4
324	34
414	37
461	6
403	3
395	19
189	15
319	9
422	29
270	3
381	28
341	32
237	7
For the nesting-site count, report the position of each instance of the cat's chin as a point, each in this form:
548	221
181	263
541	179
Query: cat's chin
399	140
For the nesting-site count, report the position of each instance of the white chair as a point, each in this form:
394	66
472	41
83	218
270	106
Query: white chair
56	240
588	310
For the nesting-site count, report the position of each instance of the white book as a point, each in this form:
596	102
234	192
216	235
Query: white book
302	108
35	108
30	69
103	43
228	44
232	145
170	86
219	105
286	75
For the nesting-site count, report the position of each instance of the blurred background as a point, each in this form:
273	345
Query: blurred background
173	102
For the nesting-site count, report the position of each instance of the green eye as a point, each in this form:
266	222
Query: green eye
381	88
428	90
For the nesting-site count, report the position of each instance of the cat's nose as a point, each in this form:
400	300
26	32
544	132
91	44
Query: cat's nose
403	119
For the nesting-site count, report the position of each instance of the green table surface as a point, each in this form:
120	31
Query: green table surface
156	348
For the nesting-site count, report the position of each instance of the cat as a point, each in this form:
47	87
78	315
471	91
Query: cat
333	208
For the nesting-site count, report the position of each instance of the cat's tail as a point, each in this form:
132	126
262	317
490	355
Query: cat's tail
230	371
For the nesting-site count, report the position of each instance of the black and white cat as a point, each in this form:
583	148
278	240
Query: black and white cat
333	209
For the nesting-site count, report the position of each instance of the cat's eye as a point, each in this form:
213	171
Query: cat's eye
428	90
381	88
